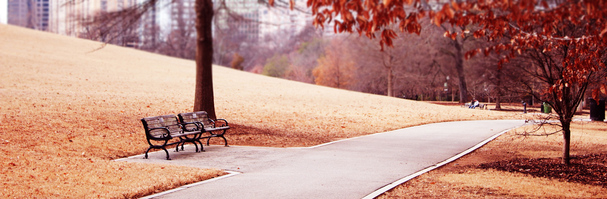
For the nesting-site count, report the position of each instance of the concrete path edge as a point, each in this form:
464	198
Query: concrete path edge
230	174
391	186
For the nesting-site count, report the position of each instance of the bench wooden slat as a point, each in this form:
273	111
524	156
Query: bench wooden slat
160	124
200	116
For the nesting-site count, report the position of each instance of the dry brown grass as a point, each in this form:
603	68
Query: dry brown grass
67	110
462	178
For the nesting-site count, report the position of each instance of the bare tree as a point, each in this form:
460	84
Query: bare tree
115	27
547	68
181	41
455	48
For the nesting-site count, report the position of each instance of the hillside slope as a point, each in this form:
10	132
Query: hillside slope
69	106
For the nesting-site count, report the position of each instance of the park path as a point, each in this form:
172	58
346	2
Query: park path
353	168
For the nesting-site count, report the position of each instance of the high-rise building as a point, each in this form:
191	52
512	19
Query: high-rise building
283	20
246	18
69	17
42	14
241	17
33	14
182	17
150	28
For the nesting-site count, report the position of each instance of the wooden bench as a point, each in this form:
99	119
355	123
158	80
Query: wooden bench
199	121
162	131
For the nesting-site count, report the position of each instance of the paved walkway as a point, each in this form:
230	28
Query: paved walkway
352	168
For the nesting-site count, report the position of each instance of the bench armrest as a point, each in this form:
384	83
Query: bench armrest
225	122
167	133
198	125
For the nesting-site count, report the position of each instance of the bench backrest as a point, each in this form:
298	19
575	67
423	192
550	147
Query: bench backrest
154	126
200	116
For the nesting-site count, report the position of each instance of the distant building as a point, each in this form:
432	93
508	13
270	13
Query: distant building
67	16
182	14
250	19
257	20
150	29
283	20
239	17
32	14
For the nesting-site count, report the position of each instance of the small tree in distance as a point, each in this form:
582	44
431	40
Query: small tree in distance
236	62
335	68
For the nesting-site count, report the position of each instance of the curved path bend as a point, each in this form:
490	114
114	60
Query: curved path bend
352	168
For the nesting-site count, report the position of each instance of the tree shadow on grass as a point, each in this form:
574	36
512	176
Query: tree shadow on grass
588	169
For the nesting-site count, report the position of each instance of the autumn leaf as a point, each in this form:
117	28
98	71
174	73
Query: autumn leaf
595	94
455	5
453	36
438	19
387	2
603	32
446	34
448	11
348	16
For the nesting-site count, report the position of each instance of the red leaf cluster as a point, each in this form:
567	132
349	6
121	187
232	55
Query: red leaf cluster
372	18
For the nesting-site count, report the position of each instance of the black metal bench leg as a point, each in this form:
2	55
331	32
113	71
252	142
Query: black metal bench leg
146	153
225	140
167	152
196	140
196	145
201	145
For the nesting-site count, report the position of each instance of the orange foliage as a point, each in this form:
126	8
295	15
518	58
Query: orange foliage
334	69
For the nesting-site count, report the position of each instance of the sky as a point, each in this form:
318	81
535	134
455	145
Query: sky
3	11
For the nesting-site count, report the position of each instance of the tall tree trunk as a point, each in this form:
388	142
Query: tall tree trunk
572	96
459	66
204	98
498	102
390	83
498	98
389	66
566	140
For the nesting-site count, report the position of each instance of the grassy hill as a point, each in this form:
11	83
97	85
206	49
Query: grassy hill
69	106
